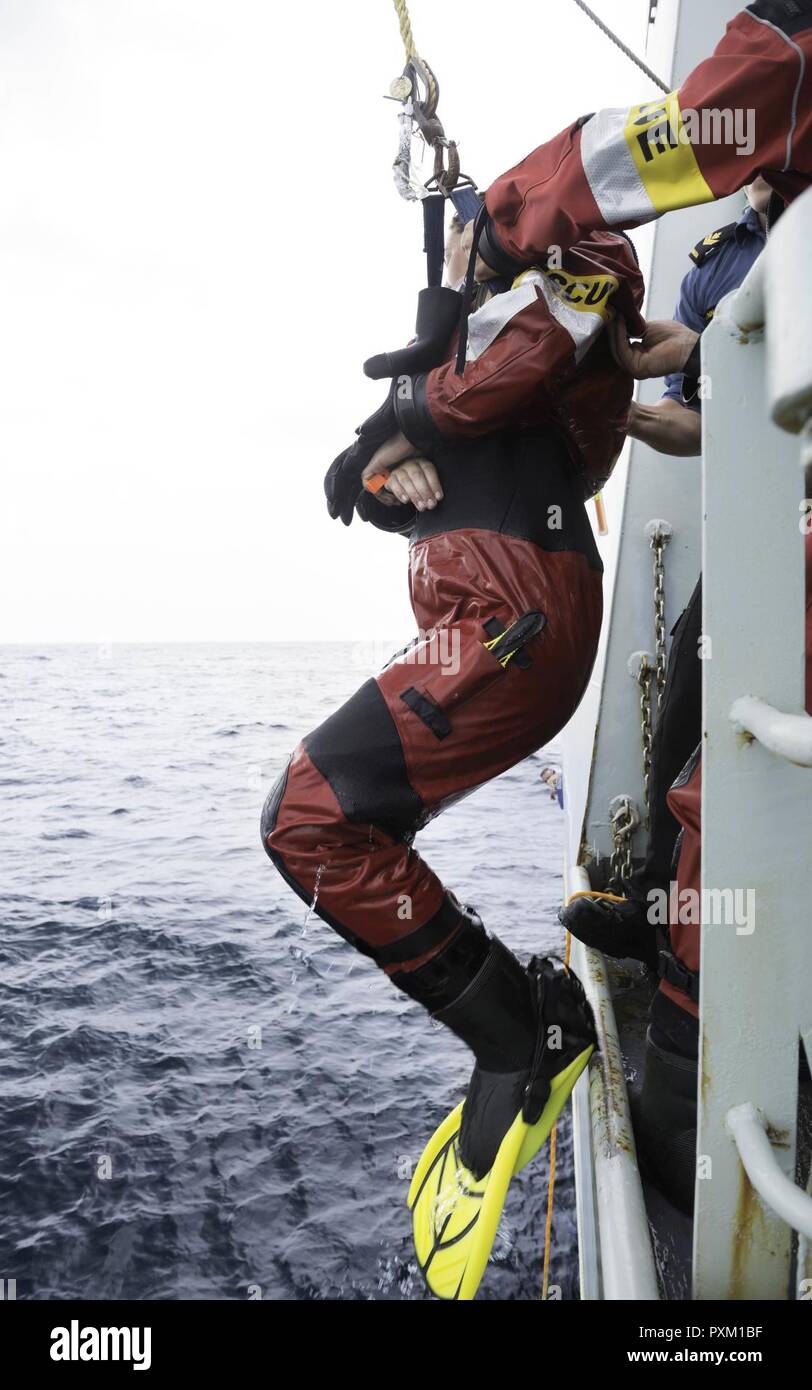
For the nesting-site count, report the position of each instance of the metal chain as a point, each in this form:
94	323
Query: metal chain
646	722
648	675
604	28
623	823
658	544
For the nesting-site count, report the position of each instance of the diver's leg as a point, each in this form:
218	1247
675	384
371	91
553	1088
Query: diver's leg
339	826
439	721
435	725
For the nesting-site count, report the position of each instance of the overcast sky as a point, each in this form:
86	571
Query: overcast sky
200	242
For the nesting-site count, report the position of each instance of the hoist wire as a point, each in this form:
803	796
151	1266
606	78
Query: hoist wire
624	48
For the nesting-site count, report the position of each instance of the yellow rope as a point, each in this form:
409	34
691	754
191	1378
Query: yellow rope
402	11
588	893
550	1204
548	1229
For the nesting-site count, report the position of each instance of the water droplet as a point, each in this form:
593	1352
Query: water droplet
312	907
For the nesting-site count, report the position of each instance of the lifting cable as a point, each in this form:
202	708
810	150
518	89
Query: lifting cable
624	48
418	91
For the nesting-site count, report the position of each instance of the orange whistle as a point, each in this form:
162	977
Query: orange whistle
600	510
375	482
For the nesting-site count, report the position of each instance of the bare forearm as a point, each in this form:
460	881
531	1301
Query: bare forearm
668	427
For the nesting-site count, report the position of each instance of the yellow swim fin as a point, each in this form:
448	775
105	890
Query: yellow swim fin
455	1216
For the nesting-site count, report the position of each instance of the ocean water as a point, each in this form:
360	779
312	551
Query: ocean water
202	1095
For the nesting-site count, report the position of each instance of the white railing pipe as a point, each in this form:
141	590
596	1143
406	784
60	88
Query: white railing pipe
627	1259
746	1125
787	735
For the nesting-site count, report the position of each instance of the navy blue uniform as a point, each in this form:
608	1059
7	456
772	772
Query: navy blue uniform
721	262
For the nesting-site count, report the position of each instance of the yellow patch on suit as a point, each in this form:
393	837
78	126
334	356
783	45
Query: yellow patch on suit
657	139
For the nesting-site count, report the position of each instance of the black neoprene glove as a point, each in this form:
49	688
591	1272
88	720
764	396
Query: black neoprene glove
342	484
438	312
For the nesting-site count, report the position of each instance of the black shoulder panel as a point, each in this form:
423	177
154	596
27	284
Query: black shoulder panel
710	244
790	16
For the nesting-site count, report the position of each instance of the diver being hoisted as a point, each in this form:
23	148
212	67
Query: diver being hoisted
497	426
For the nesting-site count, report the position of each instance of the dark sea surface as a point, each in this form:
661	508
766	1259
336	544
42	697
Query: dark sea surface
202	1095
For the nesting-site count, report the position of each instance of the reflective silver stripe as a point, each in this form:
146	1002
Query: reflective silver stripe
610	170
582	325
487	323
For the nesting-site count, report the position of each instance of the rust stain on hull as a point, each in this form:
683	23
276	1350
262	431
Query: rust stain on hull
748	1215
754	1238
705	1079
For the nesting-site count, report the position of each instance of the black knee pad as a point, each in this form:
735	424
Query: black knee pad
270	811
358	752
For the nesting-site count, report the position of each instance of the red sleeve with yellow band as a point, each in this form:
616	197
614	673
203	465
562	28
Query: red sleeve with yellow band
745	110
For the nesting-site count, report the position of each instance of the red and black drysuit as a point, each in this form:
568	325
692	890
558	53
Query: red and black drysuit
529	429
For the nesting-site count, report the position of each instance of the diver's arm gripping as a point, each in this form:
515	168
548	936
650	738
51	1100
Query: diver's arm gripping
531	356
413	414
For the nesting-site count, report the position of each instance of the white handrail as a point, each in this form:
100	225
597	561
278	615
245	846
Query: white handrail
627	1263
746	1124
745	306
787	735
770	298
757	354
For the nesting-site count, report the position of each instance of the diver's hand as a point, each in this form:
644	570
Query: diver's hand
344	480
395	450
415	481
663	349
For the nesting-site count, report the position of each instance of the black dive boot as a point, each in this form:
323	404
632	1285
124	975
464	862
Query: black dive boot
619	929
523	1025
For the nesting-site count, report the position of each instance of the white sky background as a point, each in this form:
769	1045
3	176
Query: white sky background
200	243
